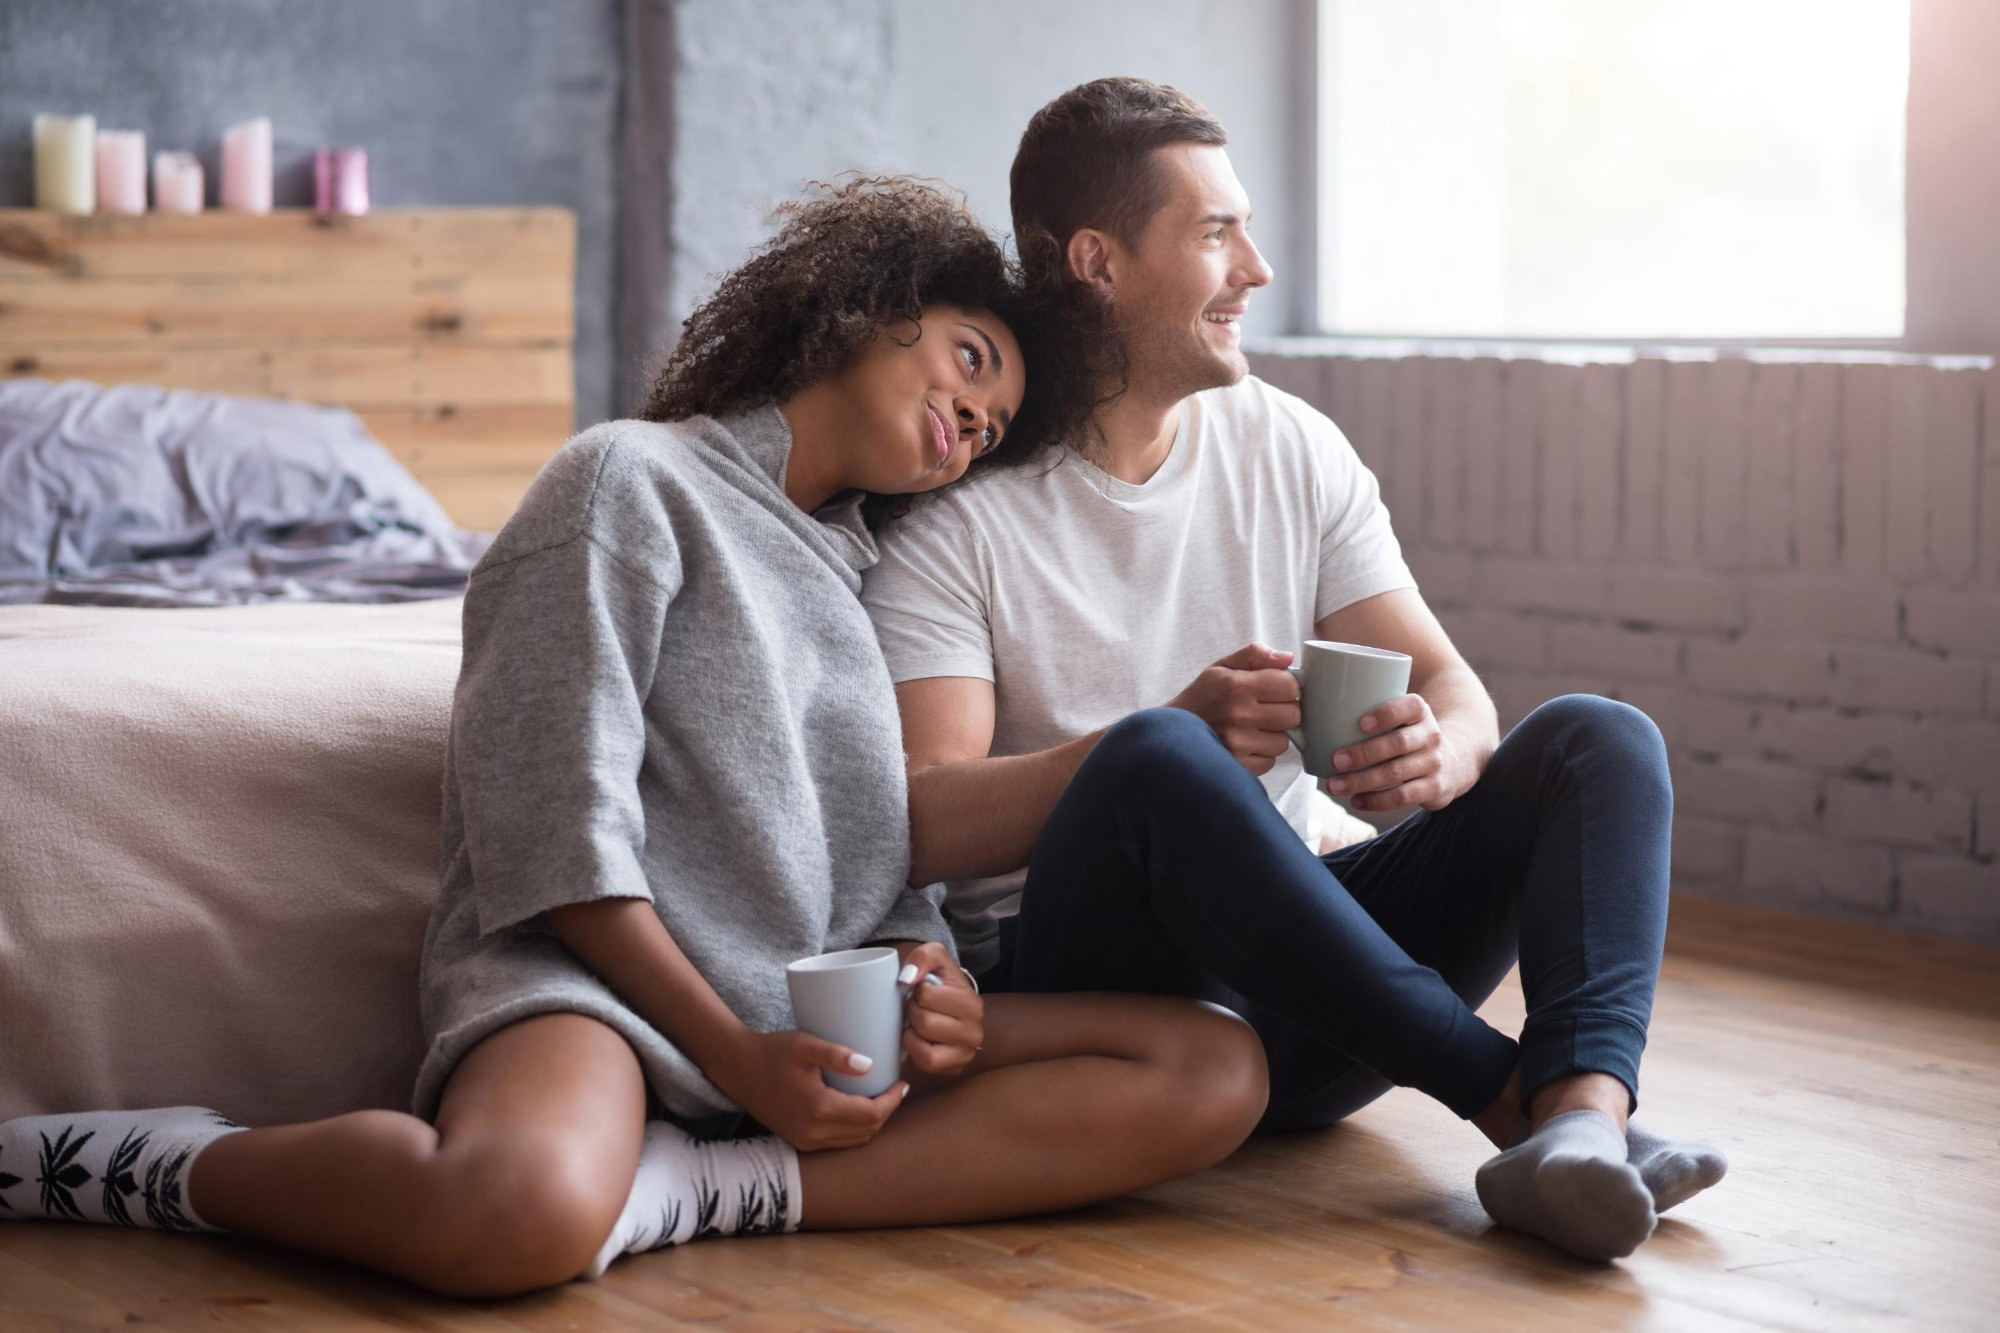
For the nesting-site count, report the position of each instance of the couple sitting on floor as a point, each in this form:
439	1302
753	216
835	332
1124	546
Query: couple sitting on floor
691	742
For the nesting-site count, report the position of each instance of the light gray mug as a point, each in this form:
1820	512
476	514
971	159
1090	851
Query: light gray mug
1338	682
851	997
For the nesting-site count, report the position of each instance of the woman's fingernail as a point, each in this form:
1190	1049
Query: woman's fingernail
907	975
859	1063
932	979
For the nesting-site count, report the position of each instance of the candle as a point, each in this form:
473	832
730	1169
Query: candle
121	171
66	163
340	180
246	167
176	183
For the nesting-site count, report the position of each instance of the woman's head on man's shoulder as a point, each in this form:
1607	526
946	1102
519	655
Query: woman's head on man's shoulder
884	304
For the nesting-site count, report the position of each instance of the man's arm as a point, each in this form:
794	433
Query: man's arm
1435	741
972	814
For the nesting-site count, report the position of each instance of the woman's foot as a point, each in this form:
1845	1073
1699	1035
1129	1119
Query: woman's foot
128	1168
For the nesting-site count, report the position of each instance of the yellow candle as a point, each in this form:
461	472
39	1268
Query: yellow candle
66	163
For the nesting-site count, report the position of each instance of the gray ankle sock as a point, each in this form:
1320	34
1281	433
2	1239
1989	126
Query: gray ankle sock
1673	1170
1570	1184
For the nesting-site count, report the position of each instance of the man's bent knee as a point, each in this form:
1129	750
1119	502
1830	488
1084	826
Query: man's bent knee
1579	720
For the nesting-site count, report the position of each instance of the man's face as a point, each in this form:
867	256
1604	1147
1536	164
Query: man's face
1182	286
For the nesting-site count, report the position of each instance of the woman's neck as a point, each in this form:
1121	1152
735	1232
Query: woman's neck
813	473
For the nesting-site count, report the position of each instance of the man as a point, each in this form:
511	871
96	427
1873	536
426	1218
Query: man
1205	525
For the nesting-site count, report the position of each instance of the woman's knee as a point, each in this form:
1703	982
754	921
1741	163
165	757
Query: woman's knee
1213	1064
516	1214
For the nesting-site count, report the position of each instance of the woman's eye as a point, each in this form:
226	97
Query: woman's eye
973	360
987	439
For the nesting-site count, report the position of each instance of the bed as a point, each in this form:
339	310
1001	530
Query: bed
222	737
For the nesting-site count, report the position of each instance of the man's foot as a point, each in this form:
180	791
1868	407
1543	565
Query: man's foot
124	1167
1673	1170
1569	1183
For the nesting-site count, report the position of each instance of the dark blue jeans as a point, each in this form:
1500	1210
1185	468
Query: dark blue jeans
1166	869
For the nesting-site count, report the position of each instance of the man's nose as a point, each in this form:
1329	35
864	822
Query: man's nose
1252	271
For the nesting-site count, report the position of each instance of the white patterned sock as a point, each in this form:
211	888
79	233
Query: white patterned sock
689	1190
123	1167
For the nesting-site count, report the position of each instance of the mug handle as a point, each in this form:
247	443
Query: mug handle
1297	735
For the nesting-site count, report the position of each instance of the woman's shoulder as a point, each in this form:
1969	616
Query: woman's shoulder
614	481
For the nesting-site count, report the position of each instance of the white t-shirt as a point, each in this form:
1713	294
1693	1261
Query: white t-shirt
1084	598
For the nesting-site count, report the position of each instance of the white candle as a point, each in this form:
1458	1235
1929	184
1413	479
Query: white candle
246	167
176	183
66	163
121	171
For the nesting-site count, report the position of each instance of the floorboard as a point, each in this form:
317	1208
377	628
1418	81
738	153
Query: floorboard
1852	1075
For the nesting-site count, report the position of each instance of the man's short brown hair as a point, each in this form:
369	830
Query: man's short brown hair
1085	160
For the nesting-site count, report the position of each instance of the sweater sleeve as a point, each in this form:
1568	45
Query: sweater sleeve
548	728
916	915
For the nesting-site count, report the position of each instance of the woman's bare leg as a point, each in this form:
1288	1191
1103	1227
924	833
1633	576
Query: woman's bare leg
514	1188
1075	1098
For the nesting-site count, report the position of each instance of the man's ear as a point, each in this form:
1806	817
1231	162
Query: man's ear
1091	259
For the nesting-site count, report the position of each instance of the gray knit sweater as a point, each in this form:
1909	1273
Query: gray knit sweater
669	691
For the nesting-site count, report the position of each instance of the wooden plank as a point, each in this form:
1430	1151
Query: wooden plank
494	307
359	375
290	245
477	461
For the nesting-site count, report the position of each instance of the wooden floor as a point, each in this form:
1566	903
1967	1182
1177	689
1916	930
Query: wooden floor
1852	1076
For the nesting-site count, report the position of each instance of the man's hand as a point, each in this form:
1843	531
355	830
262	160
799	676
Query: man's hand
1250	701
1407	760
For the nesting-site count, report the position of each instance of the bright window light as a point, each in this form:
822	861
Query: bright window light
1615	169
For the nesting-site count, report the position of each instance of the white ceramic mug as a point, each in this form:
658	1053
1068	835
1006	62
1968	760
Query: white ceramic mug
1338	682
851	997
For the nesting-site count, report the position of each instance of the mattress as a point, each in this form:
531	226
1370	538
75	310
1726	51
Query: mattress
218	850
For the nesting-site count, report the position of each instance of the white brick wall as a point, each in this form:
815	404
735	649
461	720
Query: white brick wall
1792	564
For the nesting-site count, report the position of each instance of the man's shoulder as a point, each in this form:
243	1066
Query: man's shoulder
1256	419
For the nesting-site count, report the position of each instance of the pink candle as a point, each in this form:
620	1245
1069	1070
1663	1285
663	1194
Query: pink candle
121	171
246	167
340	180
176	183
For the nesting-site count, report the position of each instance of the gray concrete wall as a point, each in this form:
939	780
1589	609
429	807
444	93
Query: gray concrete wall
457	102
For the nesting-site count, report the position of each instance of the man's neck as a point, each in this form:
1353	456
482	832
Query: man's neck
1132	434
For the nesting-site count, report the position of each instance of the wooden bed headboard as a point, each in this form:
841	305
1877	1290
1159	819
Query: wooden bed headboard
448	331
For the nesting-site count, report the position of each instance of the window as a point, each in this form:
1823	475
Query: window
1613	169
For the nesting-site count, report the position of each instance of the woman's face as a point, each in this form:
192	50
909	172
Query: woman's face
925	399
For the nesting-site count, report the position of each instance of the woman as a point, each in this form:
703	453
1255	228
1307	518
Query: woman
675	764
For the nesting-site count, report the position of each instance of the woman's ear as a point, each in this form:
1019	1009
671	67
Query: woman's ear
1090	260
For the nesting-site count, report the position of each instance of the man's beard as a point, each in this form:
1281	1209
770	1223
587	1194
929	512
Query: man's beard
1172	366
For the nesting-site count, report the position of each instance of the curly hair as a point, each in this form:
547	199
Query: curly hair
1086	160
850	259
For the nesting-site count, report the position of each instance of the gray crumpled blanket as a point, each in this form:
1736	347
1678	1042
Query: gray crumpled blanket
134	495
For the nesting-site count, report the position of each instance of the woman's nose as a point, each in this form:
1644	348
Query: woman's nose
971	415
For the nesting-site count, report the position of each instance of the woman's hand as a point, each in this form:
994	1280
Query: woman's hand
945	1016
775	1076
